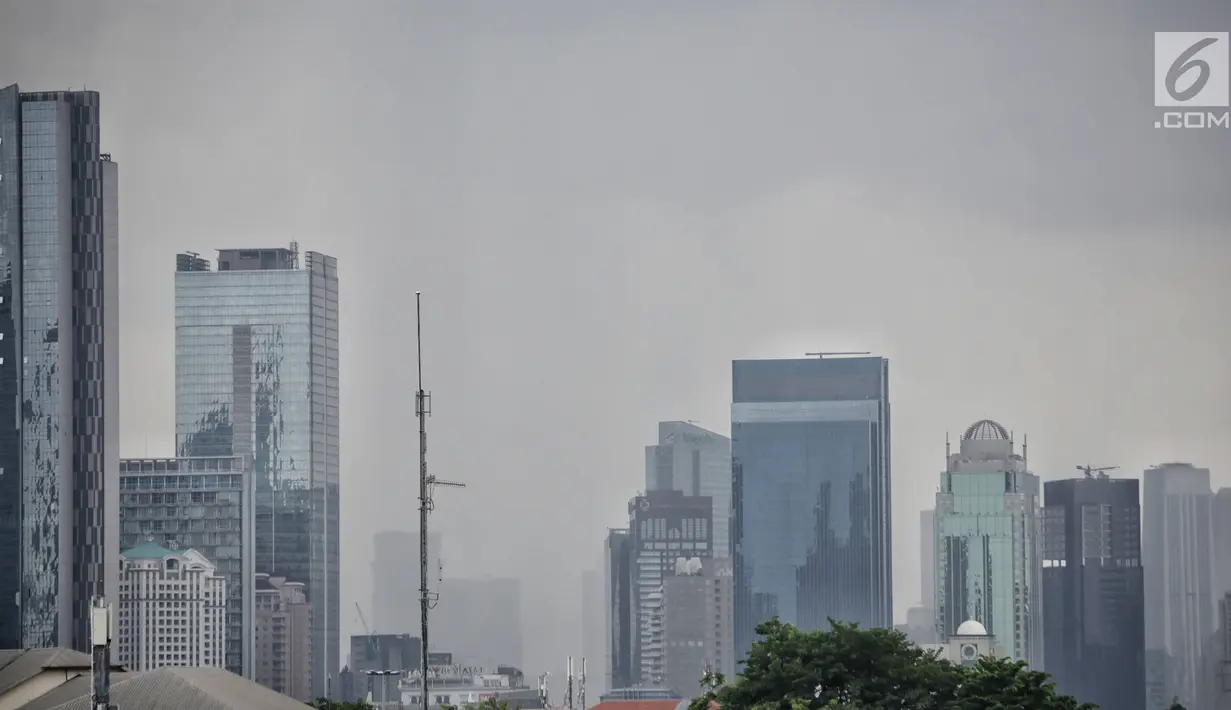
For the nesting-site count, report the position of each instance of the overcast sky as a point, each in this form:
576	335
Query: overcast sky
604	203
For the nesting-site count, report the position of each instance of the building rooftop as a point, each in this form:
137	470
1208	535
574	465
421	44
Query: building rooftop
20	665
986	429
182	688
971	627
148	551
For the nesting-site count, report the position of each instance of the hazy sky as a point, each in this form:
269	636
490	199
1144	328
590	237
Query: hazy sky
604	203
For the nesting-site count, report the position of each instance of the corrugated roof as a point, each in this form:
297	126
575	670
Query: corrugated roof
18	666
173	687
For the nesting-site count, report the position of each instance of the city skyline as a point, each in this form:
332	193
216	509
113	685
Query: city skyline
595	244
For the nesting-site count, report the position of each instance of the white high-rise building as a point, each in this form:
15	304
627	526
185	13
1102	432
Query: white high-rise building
1176	554
172	609
989	563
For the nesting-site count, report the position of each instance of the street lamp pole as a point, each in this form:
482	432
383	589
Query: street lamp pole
384	684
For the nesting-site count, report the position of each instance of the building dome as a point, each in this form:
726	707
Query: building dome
984	430
972	627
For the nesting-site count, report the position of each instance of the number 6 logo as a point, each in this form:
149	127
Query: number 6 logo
1191	69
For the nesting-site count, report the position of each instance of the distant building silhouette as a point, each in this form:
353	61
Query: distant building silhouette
1178	556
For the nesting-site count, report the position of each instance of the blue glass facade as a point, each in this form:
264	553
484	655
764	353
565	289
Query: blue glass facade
58	367
256	375
811	532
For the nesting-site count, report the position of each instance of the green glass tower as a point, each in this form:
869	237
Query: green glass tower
988	545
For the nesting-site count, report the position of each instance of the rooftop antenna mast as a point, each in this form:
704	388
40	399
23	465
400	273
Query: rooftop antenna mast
568	689
581	685
423	409
543	690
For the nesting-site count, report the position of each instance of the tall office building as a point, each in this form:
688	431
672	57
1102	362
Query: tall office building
1220	516
811	482
988	548
479	621
59	368
204	504
256	375
1176	553
664	526
927	558
396	580
697	462
618	603
592	622
1093	594
697	623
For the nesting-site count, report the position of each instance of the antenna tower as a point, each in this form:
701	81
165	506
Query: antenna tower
581	685
568	689
423	409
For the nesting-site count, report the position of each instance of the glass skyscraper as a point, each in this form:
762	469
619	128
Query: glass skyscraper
59	368
811	481
256	375
988	549
697	462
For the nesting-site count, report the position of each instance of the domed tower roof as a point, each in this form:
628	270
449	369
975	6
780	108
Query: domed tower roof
972	627
984	430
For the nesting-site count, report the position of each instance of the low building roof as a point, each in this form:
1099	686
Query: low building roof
19	665
182	688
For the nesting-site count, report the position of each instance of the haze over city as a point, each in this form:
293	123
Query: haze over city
604	204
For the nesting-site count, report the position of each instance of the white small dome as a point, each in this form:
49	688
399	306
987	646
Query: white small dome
971	628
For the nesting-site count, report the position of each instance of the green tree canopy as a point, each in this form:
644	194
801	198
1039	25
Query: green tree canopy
849	668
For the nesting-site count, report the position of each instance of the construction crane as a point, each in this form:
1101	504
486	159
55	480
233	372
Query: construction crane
1100	471
373	652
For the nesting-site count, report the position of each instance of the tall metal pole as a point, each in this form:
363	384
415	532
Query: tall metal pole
421	410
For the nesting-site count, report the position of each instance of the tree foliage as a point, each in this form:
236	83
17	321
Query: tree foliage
848	668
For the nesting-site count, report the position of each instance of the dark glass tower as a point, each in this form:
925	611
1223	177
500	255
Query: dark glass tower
618	554
1093	591
59	370
256	375
811	480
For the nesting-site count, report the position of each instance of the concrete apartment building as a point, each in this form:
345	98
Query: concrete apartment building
172	609
697	624
283	637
